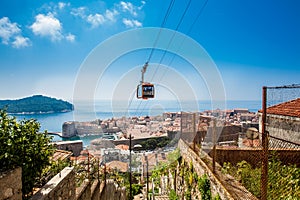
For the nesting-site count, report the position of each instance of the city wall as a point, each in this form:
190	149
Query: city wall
11	184
137	141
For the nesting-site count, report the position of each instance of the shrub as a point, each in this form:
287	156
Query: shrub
21	145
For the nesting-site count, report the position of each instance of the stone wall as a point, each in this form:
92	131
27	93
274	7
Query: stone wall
95	190
88	190
75	146
84	191
284	127
137	141
227	187
110	191
11	185
68	129
61	186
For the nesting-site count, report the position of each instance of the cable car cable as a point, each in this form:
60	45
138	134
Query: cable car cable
170	7
146	90
171	4
189	31
171	40
180	21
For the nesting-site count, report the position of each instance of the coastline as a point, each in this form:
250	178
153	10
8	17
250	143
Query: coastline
103	109
40	113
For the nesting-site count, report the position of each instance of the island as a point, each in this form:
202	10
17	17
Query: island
37	104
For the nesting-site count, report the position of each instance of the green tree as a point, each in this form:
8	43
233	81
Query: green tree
21	145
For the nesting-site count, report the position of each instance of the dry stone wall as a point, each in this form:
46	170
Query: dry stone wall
227	187
111	192
11	185
62	186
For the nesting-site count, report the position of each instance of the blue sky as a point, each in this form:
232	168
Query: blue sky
44	43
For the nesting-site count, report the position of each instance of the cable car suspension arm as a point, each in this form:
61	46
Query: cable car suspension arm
144	71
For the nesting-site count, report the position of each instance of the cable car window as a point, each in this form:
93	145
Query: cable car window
148	91
145	91
139	92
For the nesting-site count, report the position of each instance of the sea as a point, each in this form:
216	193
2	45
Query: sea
107	109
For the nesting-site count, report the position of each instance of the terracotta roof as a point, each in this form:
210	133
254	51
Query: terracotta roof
289	108
61	155
122	147
251	143
121	166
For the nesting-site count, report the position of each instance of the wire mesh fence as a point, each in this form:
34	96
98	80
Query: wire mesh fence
282	128
263	156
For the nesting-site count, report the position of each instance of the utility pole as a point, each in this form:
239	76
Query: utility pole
194	132
130	186
264	134
214	135
147	177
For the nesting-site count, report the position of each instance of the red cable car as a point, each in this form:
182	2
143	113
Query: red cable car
145	91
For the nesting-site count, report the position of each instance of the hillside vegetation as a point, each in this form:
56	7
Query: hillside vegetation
36	104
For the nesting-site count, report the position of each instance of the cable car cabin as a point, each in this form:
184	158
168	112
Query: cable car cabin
145	91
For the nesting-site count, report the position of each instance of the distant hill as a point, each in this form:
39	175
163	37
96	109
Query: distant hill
36	104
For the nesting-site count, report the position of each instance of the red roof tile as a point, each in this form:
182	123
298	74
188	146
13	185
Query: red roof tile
61	155
121	166
289	108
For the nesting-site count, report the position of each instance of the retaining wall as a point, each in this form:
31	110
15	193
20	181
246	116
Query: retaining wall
61	186
110	191
226	186
11	184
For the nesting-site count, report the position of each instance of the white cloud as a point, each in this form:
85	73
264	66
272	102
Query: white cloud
62	5
95	20
20	42
131	23
8	30
79	12
47	26
127	6
141	6
111	15
10	33
70	37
